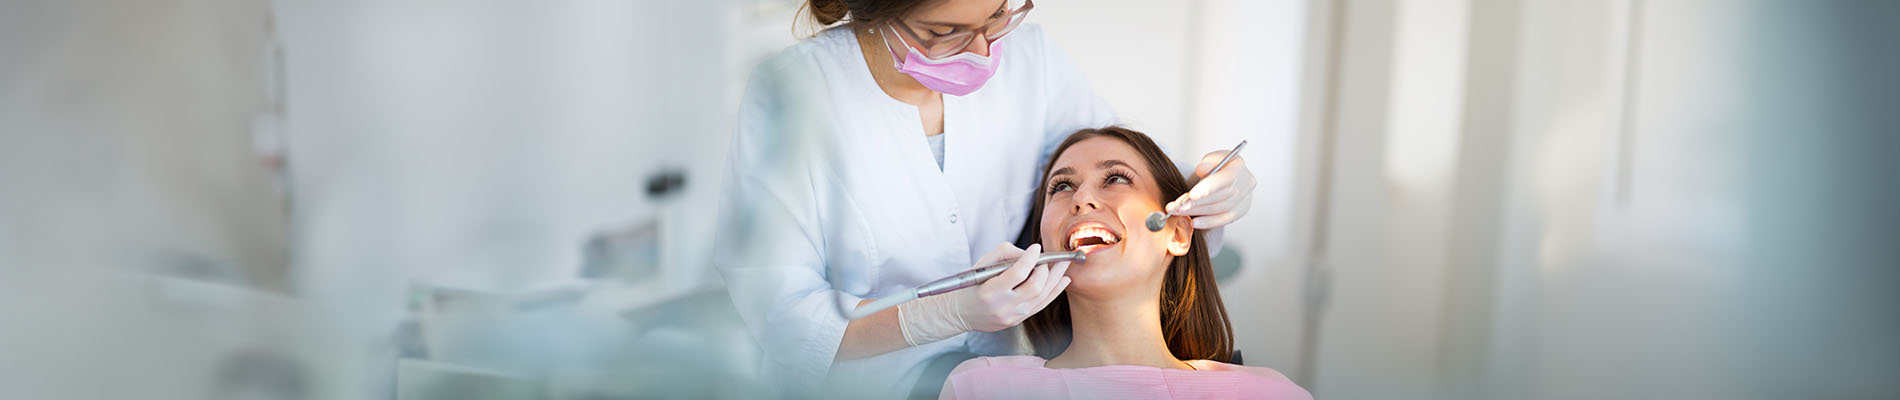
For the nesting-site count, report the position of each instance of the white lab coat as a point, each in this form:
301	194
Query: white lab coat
833	195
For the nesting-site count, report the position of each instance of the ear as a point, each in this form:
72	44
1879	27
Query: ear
1180	235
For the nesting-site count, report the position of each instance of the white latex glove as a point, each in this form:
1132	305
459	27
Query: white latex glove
1219	199
997	304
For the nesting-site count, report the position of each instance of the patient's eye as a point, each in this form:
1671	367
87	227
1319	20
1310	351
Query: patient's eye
1060	185
1118	178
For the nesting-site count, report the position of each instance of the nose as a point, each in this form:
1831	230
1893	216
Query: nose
1085	201
979	45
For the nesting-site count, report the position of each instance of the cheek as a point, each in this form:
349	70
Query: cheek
1132	200
1134	216
1051	223
1132	210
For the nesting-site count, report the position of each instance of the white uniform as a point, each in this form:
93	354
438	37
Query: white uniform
834	195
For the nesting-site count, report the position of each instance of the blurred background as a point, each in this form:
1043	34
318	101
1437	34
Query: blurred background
212	199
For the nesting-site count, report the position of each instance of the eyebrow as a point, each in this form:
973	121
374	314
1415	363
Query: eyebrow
1000	8
1105	164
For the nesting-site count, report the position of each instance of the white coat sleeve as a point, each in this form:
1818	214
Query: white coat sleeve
770	222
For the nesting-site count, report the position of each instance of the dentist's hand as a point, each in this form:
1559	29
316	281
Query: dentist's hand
1014	295
1219	199
997	304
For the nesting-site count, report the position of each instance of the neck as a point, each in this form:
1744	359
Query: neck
894	83
1116	332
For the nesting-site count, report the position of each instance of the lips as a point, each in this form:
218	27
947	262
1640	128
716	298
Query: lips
1089	237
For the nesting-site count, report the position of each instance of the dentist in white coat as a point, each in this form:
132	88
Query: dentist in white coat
897	148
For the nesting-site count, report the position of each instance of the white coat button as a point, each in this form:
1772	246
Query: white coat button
953	218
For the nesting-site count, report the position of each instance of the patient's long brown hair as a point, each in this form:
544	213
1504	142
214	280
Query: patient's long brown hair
1193	319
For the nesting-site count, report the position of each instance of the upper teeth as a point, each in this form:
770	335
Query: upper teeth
1108	238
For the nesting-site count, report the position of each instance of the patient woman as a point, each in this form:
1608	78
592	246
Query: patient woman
1142	317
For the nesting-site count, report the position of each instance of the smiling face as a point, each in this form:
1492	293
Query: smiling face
1098	195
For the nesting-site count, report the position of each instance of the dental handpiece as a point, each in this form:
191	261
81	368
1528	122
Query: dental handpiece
976	276
972	277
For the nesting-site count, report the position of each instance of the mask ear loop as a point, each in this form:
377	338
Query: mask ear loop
884	37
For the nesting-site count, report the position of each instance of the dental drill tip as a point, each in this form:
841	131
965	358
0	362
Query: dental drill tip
1156	220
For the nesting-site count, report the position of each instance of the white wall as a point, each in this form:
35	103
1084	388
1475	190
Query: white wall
1548	199
477	146
143	239
125	140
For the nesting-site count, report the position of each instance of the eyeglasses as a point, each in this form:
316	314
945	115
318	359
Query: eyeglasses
949	44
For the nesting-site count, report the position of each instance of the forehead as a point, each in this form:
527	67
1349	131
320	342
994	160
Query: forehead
1089	153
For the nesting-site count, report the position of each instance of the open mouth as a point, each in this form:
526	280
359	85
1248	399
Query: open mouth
1090	237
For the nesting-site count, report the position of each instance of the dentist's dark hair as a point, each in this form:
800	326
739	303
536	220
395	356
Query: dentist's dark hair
827	12
1193	319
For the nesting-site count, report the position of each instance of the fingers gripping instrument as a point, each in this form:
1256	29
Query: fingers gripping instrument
1156	220
972	277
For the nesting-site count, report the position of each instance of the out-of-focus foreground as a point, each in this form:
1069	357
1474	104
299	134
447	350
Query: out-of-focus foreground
209	199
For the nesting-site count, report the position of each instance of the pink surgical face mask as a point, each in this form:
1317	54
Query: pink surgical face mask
957	75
